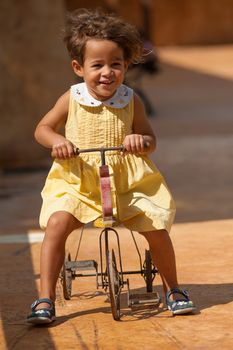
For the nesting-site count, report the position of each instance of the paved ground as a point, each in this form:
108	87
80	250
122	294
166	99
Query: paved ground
194	125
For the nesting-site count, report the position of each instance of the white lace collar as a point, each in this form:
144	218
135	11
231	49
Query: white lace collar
119	100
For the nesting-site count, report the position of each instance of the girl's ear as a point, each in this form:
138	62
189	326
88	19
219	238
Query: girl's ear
78	69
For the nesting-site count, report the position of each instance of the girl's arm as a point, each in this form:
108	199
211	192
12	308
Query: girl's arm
143	140
47	134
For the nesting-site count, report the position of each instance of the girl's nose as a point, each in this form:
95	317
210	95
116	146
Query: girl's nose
107	71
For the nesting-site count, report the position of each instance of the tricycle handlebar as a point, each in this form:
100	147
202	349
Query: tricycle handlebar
102	151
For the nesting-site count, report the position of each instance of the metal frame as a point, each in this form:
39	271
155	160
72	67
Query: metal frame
104	235
78	266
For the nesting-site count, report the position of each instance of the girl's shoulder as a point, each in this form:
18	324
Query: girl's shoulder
120	99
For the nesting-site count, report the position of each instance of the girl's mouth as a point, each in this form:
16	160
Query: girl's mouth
106	82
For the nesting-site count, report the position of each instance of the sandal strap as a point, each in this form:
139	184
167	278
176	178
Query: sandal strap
40	301
182	292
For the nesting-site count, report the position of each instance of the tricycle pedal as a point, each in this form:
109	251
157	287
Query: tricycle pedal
143	299
82	265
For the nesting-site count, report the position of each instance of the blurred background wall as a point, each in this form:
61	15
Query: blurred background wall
34	71
35	68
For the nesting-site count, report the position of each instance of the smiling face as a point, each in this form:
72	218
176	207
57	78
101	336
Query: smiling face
103	69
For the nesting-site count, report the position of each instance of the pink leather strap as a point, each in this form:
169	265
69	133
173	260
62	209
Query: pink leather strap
106	195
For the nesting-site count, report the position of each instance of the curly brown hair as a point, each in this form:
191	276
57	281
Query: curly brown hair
83	25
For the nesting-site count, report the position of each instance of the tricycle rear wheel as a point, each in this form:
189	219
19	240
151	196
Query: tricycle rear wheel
66	278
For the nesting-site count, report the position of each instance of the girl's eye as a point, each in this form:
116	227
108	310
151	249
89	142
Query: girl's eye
97	65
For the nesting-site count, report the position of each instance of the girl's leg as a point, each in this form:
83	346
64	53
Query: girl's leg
163	256
59	226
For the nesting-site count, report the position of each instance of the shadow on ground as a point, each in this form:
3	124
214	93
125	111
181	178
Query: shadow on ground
18	290
218	294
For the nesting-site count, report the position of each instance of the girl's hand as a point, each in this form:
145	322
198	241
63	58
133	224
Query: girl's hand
63	150
135	143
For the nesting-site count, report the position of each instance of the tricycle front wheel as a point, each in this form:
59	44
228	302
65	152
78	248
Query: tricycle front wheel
114	284
148	274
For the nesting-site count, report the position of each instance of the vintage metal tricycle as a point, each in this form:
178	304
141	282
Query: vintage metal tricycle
110	276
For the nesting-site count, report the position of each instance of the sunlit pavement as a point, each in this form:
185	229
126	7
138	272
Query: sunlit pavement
192	97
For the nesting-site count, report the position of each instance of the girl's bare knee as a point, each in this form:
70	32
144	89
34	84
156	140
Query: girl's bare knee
155	235
62	223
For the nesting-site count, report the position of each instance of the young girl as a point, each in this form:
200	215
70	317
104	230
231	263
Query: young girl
102	112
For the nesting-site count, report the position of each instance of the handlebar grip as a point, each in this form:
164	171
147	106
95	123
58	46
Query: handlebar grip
146	145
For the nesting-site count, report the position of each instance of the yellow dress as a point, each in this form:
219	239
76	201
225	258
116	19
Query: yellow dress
141	199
